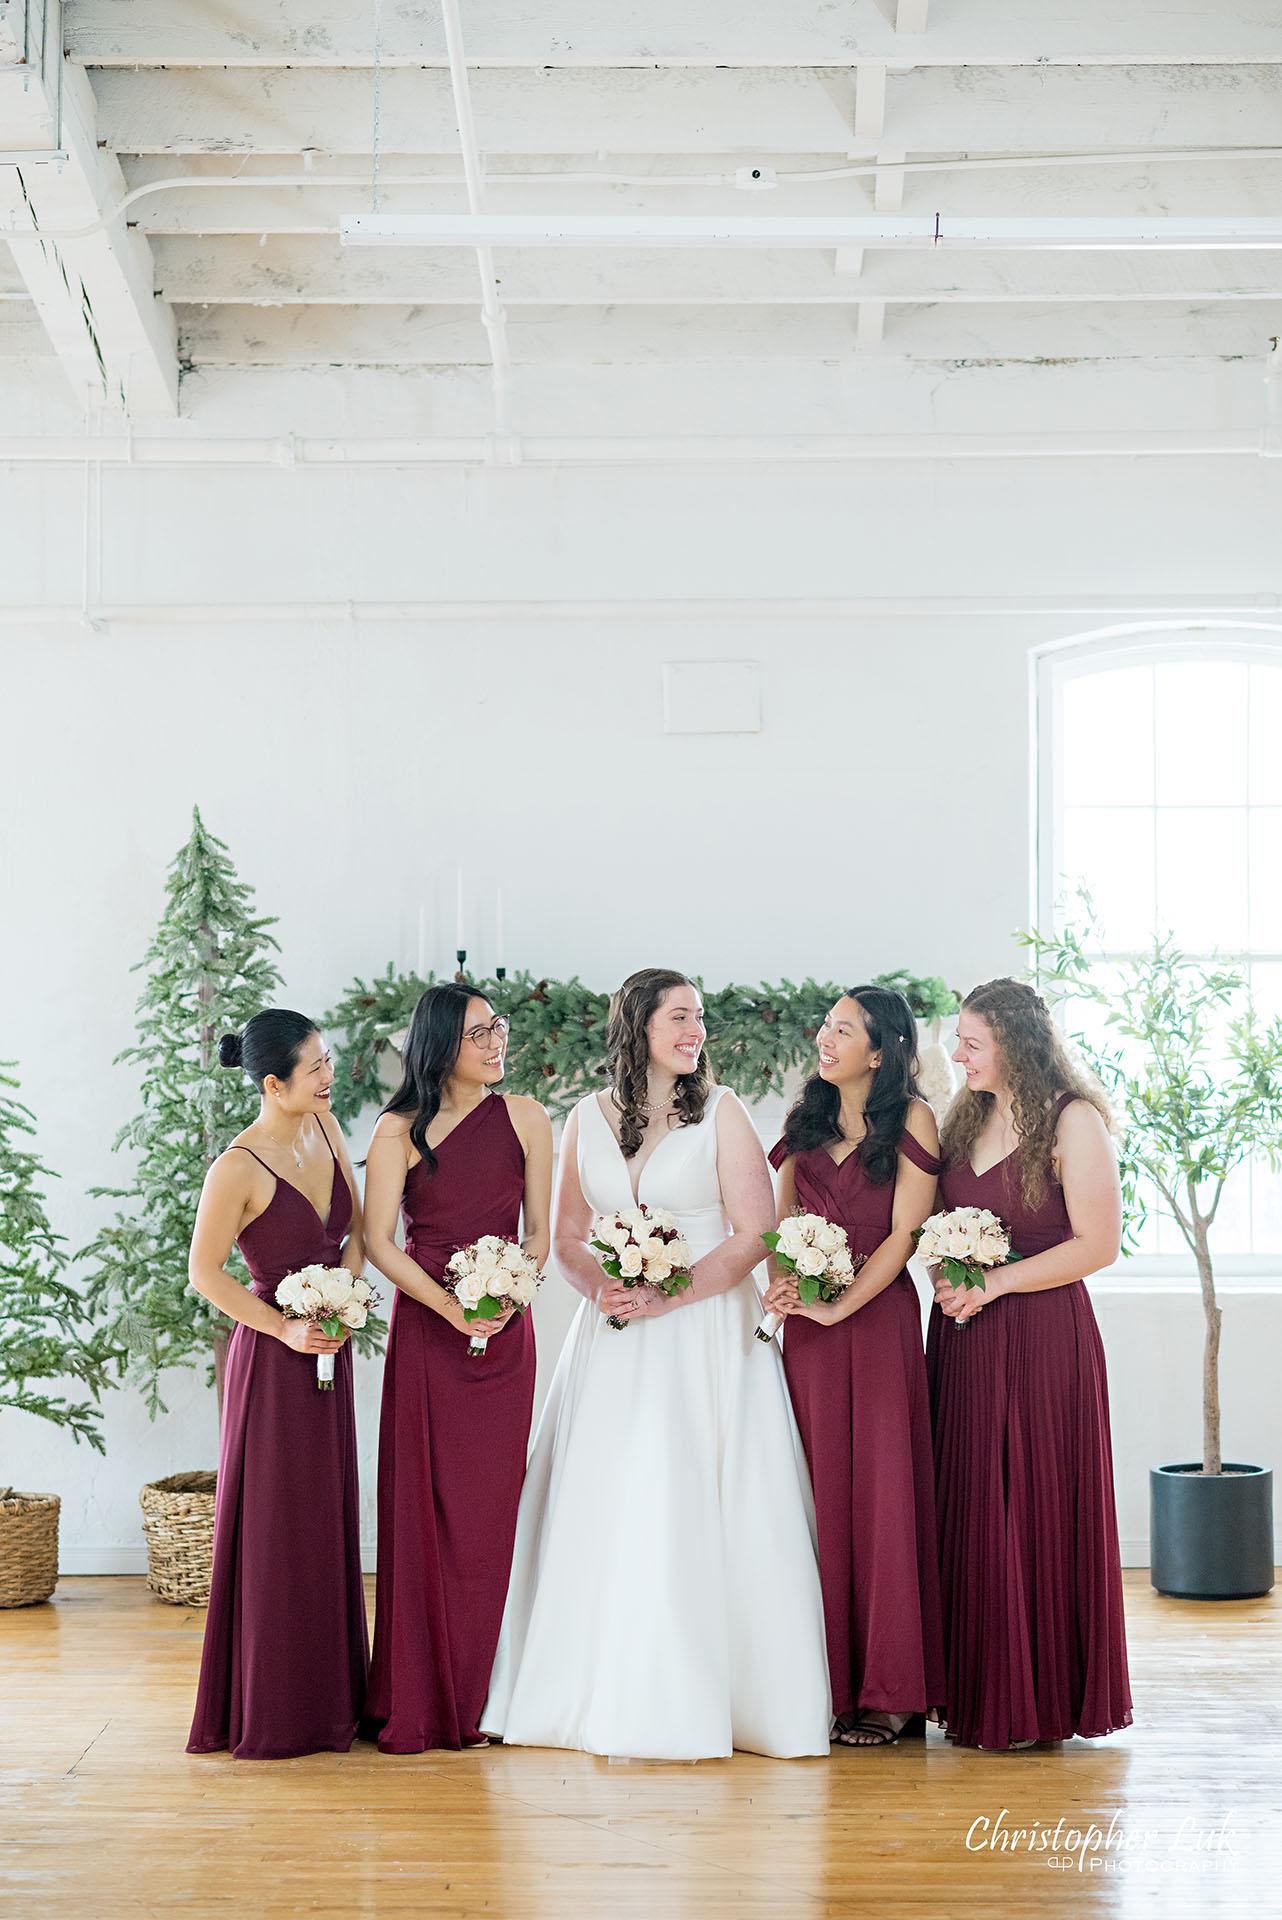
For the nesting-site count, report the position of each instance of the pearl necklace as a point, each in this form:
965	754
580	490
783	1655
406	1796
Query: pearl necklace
647	1108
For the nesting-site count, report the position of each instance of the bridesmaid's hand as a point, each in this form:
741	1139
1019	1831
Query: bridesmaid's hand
308	1336
781	1296
962	1303
824	1313
453	1312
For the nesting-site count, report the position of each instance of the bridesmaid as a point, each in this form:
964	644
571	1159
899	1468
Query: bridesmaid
283	1666
457	1160
860	1148
1032	1586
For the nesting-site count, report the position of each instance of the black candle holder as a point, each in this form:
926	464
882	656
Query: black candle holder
500	973
460	955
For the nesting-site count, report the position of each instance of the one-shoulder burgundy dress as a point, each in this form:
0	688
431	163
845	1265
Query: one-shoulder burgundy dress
859	1392
283	1667
451	1457
1034	1635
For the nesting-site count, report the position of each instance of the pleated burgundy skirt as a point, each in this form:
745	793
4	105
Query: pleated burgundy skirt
1035	1639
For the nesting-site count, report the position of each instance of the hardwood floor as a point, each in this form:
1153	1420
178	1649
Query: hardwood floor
106	1816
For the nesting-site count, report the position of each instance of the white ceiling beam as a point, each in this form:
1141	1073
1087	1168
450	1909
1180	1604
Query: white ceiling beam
910	16
581	338
299	271
888	185
870	324
804	33
657	112
115	340
870	101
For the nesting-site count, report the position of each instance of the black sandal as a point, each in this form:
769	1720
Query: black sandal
878	1733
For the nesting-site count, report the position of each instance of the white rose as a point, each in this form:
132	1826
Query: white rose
612	1233
679	1255
630	1262
810	1263
658	1268
499	1285
514	1259
353	1314
470	1290
635	1219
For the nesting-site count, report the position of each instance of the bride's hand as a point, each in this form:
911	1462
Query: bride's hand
613	1297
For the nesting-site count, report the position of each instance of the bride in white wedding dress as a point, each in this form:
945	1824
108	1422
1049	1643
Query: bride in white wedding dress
664	1600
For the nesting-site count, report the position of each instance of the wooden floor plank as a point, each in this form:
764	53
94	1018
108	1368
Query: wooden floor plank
108	1818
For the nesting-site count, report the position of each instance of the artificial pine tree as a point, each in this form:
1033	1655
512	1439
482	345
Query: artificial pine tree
45	1329
208	971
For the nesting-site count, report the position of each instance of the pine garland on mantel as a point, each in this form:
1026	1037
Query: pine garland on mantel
557	1046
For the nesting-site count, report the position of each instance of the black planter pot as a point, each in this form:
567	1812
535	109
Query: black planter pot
1211	1538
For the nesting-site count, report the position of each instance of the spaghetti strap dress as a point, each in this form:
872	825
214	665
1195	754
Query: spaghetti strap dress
451	1456
859	1393
1030	1569
282	1670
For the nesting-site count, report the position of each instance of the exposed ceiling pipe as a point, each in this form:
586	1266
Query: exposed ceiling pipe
492	314
184	183
126	450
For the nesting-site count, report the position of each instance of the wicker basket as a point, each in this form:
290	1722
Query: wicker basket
28	1547
178	1520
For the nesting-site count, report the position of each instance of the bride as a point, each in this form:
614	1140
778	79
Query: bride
664	1600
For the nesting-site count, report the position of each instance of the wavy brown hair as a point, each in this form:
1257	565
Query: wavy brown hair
631	1010
1038	1068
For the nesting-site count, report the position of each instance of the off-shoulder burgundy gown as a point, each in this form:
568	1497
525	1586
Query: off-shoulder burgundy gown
282	1671
451	1457
1034	1635
859	1392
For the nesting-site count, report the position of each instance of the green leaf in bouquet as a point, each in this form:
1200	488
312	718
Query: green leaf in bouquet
771	1240
332	1327
809	1289
486	1308
613	1268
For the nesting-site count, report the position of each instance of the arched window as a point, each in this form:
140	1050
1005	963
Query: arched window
1160	786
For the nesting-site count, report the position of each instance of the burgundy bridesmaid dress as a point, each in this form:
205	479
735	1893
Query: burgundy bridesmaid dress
451	1457
283	1666
1031	1576
859	1393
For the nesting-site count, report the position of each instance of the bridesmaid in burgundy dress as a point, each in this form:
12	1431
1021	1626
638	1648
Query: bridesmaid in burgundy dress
282	1671
859	1148
1031	1576
458	1161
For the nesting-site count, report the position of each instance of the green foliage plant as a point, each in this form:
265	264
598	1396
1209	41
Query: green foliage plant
556	1051
1195	1078
46	1332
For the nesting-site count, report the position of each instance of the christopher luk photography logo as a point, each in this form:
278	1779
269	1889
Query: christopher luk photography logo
1084	1844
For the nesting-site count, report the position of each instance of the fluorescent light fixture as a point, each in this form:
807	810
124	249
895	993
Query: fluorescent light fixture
1158	233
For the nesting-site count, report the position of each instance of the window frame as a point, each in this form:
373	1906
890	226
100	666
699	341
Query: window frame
1150	643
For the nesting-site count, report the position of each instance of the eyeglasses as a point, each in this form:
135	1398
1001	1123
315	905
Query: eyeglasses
497	1030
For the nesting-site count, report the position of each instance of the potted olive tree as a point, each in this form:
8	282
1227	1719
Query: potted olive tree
1196	1078
47	1344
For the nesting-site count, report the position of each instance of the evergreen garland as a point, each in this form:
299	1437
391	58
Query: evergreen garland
557	1047
45	1327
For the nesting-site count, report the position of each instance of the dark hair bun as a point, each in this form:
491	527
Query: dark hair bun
229	1050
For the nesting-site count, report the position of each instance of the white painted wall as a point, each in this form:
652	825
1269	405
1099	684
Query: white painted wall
880	818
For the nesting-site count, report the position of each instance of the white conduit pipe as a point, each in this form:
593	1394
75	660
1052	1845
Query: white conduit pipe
1144	615
492	314
127	450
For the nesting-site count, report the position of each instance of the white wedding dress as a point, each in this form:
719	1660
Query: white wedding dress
664	1600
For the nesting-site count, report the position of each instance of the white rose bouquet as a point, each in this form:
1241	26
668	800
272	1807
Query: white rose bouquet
967	1242
331	1296
818	1253
642	1246
486	1279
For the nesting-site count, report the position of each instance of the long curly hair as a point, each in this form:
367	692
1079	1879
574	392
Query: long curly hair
630	1012
1038	1068
815	1120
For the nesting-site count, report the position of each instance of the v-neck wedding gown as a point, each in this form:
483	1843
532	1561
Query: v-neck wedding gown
665	1599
